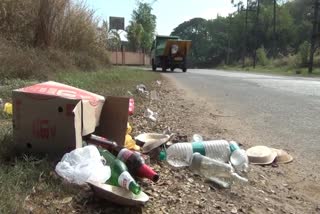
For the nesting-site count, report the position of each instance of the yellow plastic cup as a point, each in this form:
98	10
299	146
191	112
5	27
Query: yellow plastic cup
8	108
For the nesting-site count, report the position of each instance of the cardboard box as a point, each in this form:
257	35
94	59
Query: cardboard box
51	117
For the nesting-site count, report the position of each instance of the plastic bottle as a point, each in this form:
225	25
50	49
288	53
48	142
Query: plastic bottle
179	154
135	163
119	173
216	171
238	158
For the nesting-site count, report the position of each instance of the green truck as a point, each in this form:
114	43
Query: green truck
169	52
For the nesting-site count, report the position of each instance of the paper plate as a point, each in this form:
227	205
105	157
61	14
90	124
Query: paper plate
261	155
118	195
152	140
282	156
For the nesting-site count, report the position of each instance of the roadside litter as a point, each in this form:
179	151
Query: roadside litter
142	89
83	165
6	107
282	156
153	116
218	172
158	82
180	154
263	155
152	141
118	195
129	142
93	135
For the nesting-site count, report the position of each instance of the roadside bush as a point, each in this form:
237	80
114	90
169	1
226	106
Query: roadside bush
262	57
291	61
303	53
248	61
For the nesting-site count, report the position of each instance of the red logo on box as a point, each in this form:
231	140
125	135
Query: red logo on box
62	91
43	130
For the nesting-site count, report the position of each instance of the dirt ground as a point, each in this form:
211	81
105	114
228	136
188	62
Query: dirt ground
271	189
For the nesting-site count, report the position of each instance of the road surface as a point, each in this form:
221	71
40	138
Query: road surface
278	111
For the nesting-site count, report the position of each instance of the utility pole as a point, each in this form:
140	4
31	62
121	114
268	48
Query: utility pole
274	28
257	34
244	51
314	34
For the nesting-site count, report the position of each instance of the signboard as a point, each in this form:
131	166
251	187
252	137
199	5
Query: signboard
116	23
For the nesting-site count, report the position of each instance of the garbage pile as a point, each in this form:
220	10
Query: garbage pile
93	135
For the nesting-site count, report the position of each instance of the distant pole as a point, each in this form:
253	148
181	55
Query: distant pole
245	39
274	28
257	35
314	34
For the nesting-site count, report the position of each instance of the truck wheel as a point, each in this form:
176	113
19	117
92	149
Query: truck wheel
184	69
164	69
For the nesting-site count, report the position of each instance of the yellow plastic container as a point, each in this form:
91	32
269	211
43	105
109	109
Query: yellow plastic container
8	108
129	142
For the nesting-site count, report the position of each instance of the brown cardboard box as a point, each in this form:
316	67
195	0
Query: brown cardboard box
52	117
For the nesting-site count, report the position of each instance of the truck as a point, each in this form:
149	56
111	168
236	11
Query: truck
169	52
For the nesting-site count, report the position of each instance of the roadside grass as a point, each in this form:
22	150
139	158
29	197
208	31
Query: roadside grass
22	177
285	71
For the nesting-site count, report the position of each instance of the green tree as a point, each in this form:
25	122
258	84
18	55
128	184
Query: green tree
142	27
134	34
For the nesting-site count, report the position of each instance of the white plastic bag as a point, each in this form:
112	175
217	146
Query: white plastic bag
82	165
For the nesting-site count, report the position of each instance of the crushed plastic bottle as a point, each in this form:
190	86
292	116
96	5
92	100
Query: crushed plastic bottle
153	116
179	154
238	158
221	173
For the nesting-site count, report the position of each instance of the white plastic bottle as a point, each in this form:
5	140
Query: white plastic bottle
179	154
221	173
238	158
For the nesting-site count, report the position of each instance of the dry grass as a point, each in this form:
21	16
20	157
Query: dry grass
40	37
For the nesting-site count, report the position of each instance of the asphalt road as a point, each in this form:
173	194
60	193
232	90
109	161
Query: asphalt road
279	111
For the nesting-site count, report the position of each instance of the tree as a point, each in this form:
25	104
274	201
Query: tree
142	27
221	38
135	33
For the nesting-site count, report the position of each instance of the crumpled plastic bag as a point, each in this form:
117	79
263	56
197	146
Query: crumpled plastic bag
82	165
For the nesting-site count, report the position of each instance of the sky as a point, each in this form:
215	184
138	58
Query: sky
170	13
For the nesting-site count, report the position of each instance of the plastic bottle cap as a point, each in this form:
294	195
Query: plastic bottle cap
162	156
233	146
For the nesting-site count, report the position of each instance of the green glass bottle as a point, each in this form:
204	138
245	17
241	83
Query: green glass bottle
119	173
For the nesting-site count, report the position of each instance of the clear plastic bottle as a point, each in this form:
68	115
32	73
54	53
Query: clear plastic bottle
179	154
238	158
221	173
